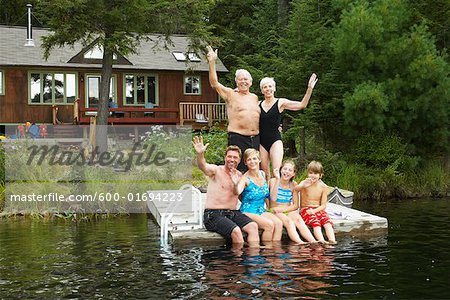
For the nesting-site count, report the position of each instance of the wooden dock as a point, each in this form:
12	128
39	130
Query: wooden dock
187	227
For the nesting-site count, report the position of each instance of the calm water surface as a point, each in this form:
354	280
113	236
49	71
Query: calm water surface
121	258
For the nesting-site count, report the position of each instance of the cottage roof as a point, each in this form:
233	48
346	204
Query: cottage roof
14	53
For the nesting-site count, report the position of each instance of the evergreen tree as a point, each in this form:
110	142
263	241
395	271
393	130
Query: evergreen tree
251	34
436	14
399	84
13	13
304	49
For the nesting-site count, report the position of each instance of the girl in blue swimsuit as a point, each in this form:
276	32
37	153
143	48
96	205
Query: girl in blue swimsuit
284	204
255	198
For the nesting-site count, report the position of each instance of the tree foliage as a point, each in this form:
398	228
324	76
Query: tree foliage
436	14
13	13
306	48
398	81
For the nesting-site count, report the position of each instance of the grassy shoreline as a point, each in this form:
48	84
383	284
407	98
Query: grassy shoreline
364	186
372	171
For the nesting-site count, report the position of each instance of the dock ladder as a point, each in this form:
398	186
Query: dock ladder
186	214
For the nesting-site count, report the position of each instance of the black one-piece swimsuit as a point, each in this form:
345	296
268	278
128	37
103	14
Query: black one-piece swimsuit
268	126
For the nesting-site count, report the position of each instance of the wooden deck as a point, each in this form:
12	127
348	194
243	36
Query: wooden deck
134	115
184	228
354	223
202	114
197	115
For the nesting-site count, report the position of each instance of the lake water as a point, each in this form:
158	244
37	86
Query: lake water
121	258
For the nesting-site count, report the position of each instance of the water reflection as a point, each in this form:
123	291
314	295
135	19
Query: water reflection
122	258
279	271
107	259
274	270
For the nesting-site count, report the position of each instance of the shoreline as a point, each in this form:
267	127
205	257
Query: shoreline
83	216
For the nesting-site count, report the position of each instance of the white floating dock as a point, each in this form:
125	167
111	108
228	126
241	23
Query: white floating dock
187	227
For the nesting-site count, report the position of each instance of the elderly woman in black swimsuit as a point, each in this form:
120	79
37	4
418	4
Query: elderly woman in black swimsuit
271	146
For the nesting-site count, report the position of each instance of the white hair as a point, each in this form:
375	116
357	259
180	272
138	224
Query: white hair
267	80
244	73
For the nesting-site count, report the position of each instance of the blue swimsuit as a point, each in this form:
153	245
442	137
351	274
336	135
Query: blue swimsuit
253	198
284	195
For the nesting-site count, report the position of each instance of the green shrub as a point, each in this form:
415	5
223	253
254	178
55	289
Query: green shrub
378	167
218	141
2	177
383	152
2	197
429	179
2	165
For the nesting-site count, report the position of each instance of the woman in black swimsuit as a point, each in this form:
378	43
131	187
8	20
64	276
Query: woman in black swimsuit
271	148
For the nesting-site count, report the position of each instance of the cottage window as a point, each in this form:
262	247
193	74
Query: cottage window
192	85
180	56
141	89
193	57
52	87
93	90
2	83
96	52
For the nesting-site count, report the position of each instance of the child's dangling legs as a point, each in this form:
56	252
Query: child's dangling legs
329	231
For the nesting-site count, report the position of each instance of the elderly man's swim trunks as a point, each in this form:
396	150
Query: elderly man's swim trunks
268	125
244	142
223	221
318	219
254	196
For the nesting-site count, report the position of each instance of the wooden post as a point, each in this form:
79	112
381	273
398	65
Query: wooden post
76	116
55	119
283	12
136	134
54	112
92	131
181	114
210	116
90	148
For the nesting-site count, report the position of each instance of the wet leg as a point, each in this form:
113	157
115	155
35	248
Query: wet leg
252	233
302	228
236	236
277	226
290	228
329	231
318	234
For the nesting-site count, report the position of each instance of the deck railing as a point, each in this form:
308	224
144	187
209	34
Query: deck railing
202	113
134	115
193	113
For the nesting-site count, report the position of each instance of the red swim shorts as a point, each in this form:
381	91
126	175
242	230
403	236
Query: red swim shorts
318	219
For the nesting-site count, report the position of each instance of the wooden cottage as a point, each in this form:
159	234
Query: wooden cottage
154	86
